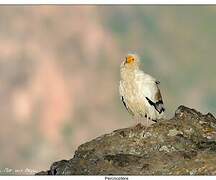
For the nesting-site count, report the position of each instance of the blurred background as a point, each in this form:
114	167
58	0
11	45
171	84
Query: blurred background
59	72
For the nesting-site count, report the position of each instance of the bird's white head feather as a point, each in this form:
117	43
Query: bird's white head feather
131	61
129	65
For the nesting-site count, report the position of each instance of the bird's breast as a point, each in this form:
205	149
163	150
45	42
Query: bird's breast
133	90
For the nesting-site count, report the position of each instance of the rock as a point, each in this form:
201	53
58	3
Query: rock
183	145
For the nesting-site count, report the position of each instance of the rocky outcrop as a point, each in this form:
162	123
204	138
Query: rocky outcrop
183	145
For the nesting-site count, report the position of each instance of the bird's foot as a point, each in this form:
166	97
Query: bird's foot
147	123
146	127
139	126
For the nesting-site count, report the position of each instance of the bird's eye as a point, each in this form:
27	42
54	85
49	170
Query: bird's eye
129	59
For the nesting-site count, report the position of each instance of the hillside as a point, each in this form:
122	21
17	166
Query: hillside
182	145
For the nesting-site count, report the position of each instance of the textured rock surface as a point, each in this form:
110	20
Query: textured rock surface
183	145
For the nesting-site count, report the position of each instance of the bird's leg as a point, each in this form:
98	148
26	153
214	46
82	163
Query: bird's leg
138	120
145	123
145	119
148	122
139	124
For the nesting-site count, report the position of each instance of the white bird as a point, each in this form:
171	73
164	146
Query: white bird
139	92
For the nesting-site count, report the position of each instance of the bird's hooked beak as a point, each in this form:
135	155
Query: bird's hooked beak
129	59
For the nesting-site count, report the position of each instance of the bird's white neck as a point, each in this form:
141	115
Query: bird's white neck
128	74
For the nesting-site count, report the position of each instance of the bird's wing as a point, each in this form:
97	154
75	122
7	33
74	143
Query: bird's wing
128	109
153	96
157	82
122	95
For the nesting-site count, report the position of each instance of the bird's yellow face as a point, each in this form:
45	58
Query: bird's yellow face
130	63
130	59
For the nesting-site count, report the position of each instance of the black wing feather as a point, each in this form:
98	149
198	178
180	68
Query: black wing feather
157	82
128	109
158	105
